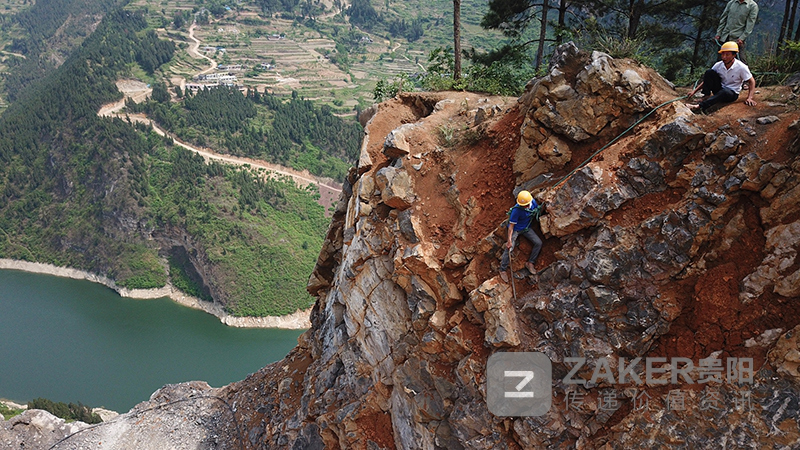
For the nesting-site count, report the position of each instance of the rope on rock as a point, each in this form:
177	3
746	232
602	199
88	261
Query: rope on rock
511	272
581	165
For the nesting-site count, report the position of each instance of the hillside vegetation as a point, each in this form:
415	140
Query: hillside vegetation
116	199
293	132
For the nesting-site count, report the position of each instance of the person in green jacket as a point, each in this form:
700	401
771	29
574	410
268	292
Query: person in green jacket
736	23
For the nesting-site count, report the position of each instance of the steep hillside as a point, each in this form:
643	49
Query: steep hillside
116	199
43	35
678	241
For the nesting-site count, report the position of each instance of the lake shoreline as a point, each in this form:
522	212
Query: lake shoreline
298	320
105	414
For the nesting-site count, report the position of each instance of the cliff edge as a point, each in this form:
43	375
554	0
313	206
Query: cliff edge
679	241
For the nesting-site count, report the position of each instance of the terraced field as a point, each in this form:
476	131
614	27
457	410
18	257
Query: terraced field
12	6
299	57
298	53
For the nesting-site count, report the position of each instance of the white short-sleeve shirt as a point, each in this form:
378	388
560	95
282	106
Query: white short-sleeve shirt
734	77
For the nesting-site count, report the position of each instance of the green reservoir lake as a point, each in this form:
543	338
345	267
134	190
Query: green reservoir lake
76	341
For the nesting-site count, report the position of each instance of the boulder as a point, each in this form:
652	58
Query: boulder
754	172
783	205
724	144
775	269
485	112
364	160
396	144
673	140
555	152
643	175
454	258
583	97
419	261
582	201
766	120
493	299
599	94
396	187
36	429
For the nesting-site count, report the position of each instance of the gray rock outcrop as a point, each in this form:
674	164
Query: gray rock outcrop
679	241
36	429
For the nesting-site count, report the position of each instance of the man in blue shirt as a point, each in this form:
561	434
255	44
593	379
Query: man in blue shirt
519	223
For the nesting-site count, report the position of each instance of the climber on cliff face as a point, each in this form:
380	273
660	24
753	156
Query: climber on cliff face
519	224
723	82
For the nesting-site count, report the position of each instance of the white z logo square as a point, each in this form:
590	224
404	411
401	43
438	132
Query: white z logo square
519	384
527	377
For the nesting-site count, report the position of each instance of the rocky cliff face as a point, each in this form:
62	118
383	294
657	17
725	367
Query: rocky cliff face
679	240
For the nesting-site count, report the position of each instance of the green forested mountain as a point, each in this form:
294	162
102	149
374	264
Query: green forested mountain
45	40
292	132
114	198
106	196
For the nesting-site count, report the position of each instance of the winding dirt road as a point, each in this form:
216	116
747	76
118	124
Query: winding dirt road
194	50
302	178
329	189
18	55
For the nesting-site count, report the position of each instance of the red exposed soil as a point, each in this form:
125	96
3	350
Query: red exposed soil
492	158
486	150
377	427
390	115
474	335
711	316
639	209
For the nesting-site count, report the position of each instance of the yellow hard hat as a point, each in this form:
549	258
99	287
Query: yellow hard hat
729	47
524	198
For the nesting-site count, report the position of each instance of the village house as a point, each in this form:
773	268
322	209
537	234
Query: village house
194	88
227	80
232	67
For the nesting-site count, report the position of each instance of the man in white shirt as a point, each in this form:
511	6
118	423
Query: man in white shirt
723	82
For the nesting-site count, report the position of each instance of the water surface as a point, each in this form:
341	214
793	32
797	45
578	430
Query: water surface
73	340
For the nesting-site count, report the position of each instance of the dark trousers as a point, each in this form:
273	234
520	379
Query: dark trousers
712	84
530	235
